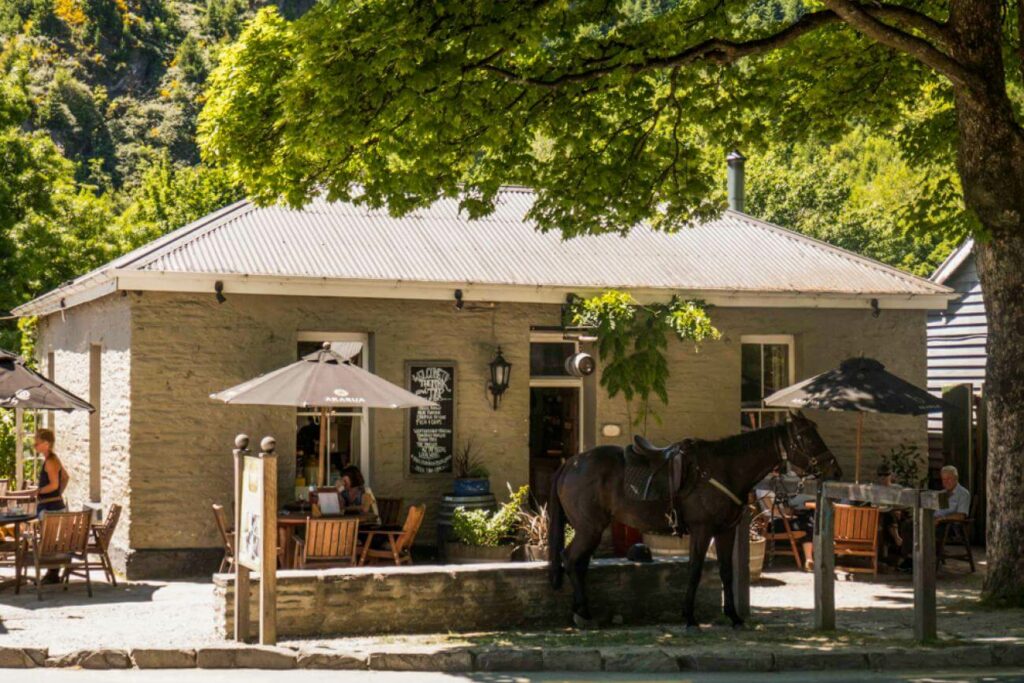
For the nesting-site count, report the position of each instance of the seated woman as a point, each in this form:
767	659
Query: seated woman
356	496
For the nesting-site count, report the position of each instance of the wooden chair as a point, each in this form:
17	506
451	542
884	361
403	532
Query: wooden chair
227	536
100	545
390	510
856	535
59	543
956	533
328	543
785	540
398	541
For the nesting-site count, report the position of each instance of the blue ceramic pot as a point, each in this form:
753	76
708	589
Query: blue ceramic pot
472	487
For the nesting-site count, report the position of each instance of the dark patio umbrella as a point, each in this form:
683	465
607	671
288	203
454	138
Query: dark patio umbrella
23	387
860	384
323	380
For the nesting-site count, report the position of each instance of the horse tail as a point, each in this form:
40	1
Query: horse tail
556	534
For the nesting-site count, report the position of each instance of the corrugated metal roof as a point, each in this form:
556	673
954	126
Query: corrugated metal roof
343	241
339	240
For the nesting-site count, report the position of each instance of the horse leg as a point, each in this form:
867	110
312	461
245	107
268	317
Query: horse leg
577	560
724	547
700	539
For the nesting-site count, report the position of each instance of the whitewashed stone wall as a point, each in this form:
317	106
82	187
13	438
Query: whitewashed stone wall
106	322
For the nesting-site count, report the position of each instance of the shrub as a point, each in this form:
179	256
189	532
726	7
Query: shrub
489	529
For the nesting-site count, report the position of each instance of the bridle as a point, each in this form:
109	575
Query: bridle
795	440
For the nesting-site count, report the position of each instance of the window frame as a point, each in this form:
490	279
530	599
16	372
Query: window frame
761	340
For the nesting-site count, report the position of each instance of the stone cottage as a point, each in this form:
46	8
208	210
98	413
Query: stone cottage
148	337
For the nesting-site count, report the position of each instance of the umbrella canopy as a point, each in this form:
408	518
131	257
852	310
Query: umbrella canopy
23	387
857	384
323	379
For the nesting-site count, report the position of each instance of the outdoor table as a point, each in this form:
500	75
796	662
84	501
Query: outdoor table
289	523
16	521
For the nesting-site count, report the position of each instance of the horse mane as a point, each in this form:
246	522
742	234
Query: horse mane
736	445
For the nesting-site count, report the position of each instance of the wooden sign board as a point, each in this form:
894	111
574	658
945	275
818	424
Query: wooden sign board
431	432
250	529
256	538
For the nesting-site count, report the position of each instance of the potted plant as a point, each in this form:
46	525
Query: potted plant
471	476
484	536
533	531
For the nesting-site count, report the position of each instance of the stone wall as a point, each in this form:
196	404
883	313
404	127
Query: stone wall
439	599
187	346
105	322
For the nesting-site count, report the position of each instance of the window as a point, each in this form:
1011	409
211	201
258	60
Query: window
766	366
95	384
548	356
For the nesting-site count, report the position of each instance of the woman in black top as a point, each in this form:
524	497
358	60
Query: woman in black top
53	478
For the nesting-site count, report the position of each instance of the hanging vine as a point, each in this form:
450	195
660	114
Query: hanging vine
631	343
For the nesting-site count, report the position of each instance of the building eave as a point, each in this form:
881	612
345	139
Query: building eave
150	281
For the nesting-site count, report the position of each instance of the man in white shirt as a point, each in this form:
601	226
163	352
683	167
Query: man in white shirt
959	507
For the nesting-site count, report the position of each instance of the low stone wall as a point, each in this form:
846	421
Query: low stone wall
442	598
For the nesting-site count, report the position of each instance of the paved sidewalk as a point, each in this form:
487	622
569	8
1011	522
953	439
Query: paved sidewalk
874	617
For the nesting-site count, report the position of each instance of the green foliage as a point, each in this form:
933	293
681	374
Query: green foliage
909	466
485	528
632	339
466	464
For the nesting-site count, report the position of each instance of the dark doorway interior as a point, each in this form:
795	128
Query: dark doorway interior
554	434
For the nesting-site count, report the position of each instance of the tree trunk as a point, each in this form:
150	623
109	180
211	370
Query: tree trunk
991	164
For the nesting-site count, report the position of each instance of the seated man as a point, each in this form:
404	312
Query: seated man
959	506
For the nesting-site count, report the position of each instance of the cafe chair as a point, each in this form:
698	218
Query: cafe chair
856	536
955	533
100	545
59	543
328	543
227	537
781	542
397	542
390	510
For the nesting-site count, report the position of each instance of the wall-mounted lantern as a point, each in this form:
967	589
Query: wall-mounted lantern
500	371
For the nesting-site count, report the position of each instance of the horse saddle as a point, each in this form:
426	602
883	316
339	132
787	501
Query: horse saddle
652	473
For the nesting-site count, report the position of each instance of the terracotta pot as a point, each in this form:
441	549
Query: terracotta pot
535	553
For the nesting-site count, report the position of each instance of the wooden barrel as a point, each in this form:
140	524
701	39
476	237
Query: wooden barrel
448	505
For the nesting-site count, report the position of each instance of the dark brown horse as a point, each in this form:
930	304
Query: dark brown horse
589	492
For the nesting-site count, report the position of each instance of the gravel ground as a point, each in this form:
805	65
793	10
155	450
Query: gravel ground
180	614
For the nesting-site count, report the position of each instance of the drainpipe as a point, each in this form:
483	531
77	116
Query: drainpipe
735	160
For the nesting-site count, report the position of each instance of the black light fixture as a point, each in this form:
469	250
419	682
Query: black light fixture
501	369
218	287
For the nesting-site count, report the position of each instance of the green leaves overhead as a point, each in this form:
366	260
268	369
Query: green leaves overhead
632	339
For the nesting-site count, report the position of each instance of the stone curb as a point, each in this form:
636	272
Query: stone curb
493	659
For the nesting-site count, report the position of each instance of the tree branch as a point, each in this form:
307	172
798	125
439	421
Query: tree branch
861	18
715	50
867	19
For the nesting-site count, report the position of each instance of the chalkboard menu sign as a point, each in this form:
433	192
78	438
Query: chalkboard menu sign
432	430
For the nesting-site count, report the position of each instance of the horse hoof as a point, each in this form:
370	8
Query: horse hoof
583	623
693	629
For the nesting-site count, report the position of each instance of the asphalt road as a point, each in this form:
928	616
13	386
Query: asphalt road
251	676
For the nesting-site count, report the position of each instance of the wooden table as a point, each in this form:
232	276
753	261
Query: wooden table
289	523
16	521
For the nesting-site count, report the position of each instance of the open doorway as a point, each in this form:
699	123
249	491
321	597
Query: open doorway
555	410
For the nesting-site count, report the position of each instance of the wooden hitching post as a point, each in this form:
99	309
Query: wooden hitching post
925	627
824	564
268	572
241	573
741	565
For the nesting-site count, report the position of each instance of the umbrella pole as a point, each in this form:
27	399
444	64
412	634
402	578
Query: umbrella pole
19	448
320	477
860	428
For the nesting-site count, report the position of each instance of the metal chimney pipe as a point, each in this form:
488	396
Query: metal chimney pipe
735	160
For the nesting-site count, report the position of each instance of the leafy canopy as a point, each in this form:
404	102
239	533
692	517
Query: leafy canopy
615	112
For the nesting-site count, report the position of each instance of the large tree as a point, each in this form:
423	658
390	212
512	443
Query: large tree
619	112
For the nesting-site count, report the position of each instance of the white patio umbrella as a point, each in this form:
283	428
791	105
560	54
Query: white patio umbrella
325	380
